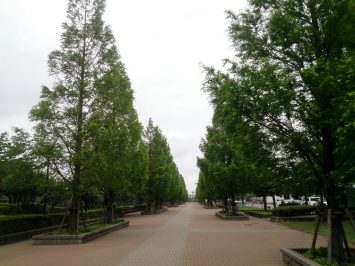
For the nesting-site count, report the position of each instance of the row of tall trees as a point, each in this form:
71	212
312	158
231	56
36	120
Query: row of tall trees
87	132
165	183
284	107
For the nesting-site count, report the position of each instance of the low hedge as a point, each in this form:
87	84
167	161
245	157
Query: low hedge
12	209
6	209
19	223
25	222
258	214
296	210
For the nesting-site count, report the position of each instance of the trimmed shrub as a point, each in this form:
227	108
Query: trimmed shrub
56	209
91	214
289	203
6	209
297	210
25	222
12	209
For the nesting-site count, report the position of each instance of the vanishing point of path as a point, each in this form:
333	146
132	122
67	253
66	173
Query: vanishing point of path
185	235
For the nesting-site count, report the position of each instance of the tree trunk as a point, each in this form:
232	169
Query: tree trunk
274	200
225	204
110	214
47	180
234	206
44	207
264	202
74	216
335	237
78	138
243	200
209	202
315	234
335	240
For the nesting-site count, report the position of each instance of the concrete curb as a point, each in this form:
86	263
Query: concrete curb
293	258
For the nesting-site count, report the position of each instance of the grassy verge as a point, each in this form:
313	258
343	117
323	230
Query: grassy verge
309	228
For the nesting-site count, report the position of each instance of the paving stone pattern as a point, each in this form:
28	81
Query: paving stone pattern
166	246
186	235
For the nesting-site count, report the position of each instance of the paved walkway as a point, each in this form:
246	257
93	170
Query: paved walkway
186	235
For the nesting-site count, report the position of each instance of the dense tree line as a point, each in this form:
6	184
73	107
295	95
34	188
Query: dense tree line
164	182
87	139
284	107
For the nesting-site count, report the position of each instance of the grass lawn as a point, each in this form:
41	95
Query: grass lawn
309	227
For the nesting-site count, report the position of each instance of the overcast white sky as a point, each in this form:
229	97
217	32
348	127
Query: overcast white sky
162	44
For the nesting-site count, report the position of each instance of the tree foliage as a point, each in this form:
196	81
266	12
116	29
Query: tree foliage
164	182
288	93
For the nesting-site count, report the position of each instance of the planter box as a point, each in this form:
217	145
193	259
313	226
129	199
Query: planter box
241	216
294	258
47	239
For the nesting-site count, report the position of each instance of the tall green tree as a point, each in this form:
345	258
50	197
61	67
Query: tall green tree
86	54
17	168
292	80
163	173
118	162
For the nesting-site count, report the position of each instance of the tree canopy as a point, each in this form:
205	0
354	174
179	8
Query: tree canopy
288	94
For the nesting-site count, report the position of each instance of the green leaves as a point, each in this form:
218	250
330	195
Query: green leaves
282	104
164	182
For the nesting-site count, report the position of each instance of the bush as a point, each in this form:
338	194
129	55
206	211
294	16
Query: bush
297	210
91	214
12	209
289	204
25	222
6	209
56	209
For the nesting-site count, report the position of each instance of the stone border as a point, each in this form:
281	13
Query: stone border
47	239
241	216
294	258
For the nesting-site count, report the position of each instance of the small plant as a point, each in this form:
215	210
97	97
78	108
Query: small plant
320	256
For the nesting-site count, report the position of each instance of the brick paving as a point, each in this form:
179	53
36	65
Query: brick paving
186	235
166	246
212	241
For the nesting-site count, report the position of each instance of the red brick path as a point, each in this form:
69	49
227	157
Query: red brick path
201	239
